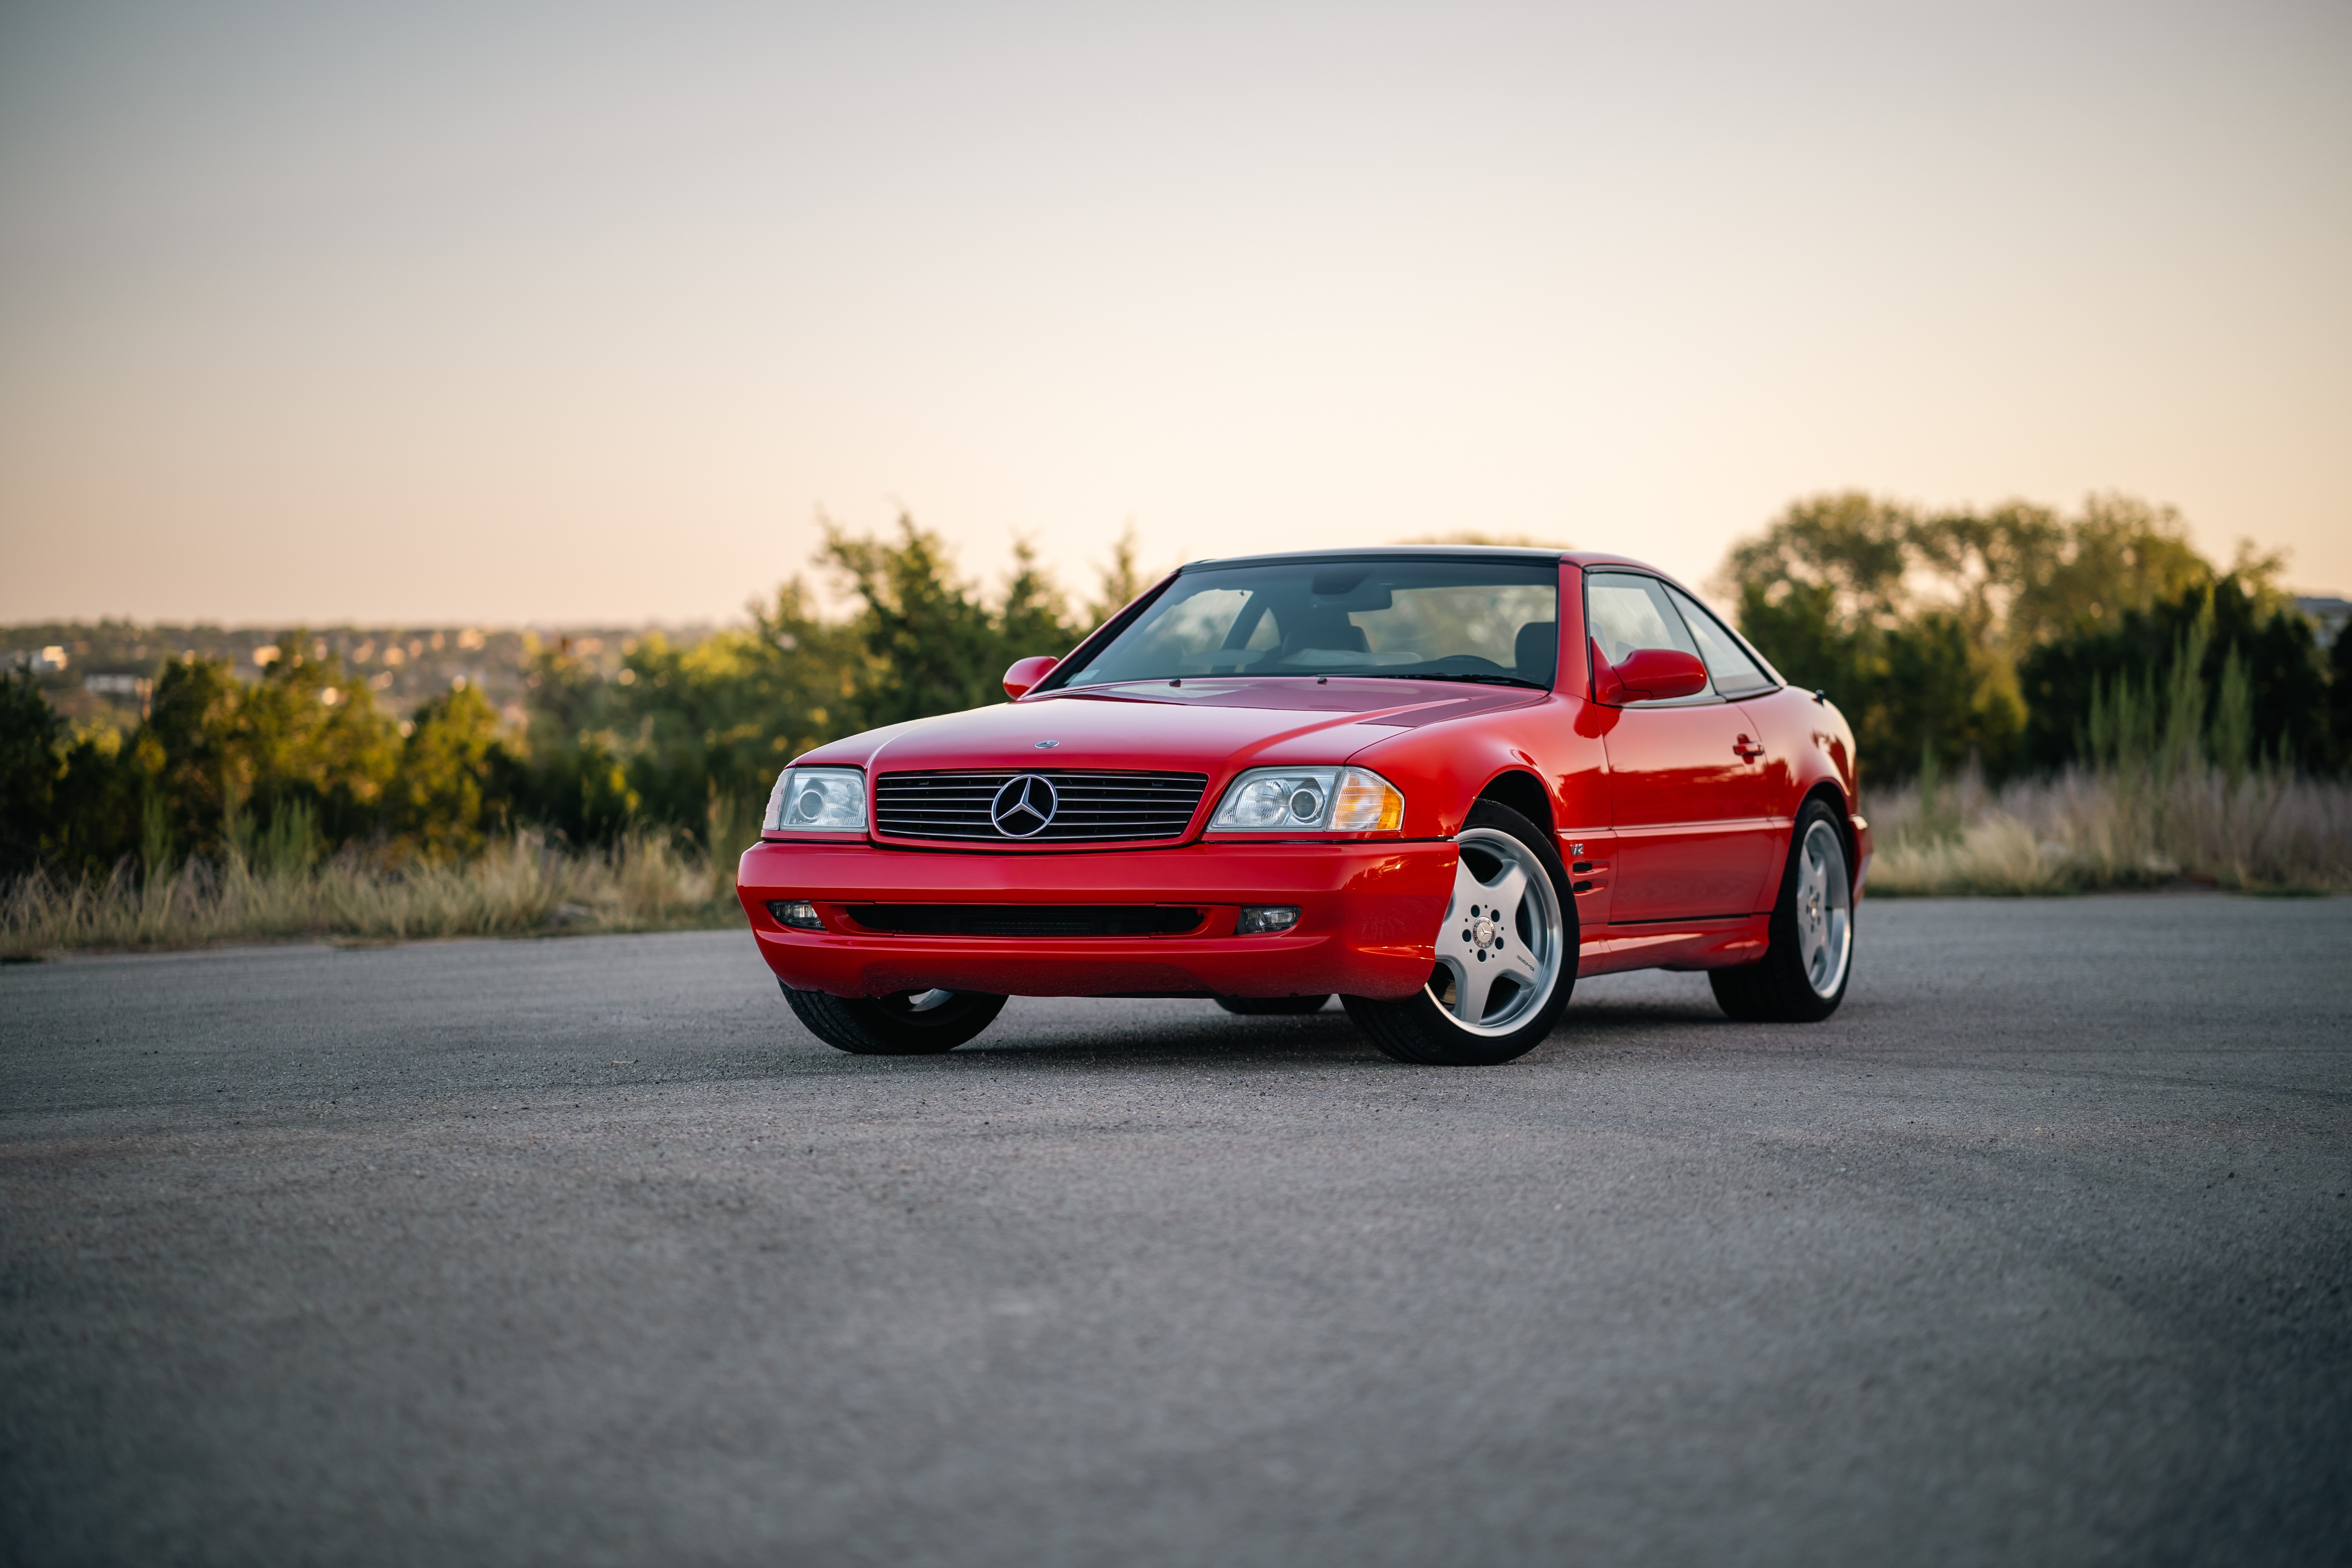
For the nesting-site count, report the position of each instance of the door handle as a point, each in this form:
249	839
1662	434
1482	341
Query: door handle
1747	750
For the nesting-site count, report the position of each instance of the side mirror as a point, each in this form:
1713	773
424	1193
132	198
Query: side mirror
1026	673
1606	687
1655	674
1648	675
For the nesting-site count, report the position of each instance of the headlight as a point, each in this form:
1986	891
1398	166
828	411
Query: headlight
1309	800
817	800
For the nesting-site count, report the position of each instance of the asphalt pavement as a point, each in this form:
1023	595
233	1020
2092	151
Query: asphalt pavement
582	1251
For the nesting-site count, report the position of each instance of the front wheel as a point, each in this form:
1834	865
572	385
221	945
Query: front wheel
1505	954
905	1024
1809	958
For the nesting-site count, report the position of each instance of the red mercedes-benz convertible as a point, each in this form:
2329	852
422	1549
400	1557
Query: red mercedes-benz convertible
1441	783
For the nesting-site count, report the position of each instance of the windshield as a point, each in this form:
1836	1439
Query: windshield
1432	620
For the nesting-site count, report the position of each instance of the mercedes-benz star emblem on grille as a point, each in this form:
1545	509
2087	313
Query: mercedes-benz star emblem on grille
1023	807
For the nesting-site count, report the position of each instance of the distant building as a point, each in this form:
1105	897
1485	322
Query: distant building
116	686
2327	616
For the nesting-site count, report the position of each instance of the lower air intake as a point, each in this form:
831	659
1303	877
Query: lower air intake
1028	920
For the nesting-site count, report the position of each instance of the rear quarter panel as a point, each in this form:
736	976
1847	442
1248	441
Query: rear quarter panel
1808	745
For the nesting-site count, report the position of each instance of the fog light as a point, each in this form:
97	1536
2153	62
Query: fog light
1266	917
796	912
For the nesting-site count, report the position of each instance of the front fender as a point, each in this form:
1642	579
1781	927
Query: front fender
1443	768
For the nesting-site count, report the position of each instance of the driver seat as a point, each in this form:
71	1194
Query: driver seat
1534	652
1337	636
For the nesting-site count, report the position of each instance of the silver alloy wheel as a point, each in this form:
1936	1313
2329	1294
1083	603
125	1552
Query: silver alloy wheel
1824	910
1502	925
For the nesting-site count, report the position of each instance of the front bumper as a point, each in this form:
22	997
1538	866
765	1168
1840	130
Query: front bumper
1367	924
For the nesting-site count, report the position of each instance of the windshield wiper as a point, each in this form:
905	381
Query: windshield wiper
1448	675
1310	675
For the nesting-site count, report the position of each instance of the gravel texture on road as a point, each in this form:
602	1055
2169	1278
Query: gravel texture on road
583	1252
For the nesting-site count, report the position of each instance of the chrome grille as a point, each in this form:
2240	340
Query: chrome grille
1089	806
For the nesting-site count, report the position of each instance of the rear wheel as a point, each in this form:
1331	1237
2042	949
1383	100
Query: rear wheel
1505	954
1271	1006
905	1024
1802	975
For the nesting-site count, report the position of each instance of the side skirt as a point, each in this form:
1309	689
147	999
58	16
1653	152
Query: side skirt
1717	942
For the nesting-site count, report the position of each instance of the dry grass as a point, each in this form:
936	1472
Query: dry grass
2269	830
2084	831
523	887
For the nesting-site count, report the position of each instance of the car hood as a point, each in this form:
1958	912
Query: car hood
1202	726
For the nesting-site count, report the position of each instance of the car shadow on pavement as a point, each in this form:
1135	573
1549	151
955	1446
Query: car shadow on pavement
1636	1017
1630	1004
1181	1035
1174	1038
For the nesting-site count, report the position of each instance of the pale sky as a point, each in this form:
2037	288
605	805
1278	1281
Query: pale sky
508	313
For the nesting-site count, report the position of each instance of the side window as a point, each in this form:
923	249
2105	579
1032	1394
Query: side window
1726	661
1626	611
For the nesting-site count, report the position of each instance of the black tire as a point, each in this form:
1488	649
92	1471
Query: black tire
893	1025
1777	988
1271	1006
1417	1029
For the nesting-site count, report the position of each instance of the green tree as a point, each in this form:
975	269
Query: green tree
307	733
687	738
932	644
2119	555
1033	618
2339	699
574	779
100	798
192	752
929	640
691	738
2277	662
450	792
1917	688
1938	693
29	733
1799	628
1118	580
1848	552
1918	623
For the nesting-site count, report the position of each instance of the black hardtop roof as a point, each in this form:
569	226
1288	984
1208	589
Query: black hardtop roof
1386	552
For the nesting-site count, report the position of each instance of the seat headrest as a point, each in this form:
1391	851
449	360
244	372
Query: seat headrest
1537	650
1345	636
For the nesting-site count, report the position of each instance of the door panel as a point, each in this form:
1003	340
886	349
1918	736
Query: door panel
1687	790
1686	777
